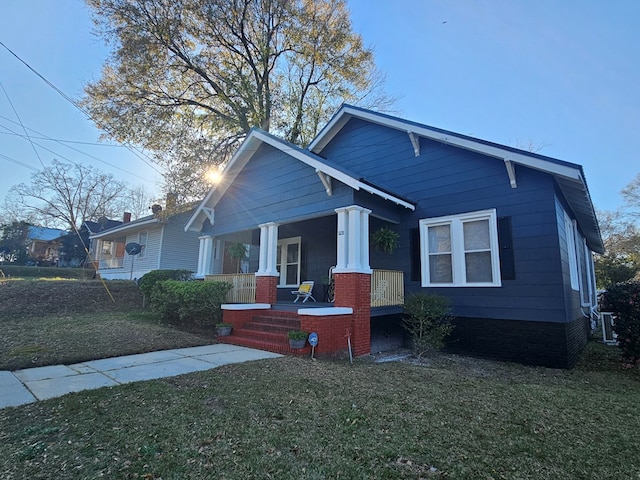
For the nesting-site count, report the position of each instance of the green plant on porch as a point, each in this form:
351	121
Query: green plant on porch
427	320
385	240
237	251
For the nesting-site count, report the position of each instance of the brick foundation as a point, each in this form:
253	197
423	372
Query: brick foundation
354	290
266	290
549	344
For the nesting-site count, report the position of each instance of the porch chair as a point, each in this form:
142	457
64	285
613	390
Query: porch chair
304	291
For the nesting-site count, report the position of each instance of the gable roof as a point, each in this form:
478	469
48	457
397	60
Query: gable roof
250	146
569	176
44	234
96	227
128	226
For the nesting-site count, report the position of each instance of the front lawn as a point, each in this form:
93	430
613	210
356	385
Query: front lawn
294	418
49	322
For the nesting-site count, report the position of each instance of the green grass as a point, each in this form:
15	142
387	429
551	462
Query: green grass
293	418
49	322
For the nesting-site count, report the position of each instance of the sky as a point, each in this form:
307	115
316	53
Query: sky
561	75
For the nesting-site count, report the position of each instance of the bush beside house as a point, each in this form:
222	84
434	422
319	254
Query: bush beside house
623	299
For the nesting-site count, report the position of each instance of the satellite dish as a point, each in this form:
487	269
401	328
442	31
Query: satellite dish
133	248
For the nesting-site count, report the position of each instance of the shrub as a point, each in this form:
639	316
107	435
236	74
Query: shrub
623	299
427	320
196	303
149	280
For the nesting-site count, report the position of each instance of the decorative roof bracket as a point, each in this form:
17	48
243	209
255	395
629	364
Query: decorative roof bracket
511	172
326	181
415	141
210	213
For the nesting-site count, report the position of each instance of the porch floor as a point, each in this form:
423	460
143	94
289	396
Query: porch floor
294	307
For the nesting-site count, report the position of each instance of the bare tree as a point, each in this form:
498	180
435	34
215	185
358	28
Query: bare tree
64	195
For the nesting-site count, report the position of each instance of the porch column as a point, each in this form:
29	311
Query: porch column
353	240
267	274
205	255
352	274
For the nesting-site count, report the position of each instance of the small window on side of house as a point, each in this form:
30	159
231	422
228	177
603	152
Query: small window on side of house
142	240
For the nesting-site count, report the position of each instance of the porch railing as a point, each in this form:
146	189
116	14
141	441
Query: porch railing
113	262
244	286
387	288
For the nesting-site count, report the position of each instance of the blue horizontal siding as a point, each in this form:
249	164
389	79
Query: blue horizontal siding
274	187
446	180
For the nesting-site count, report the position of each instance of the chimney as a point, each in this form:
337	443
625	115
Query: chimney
126	218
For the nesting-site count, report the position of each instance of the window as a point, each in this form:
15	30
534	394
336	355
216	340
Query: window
569	227
460	250
106	247
288	262
142	240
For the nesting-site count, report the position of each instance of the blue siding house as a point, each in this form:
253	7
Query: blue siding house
506	235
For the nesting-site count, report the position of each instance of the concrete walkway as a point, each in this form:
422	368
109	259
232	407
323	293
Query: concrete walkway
40	383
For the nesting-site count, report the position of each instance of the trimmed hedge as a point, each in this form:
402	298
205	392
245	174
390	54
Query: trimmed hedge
195	303
623	299
148	281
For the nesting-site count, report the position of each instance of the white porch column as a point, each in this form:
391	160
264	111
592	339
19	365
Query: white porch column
267	264
205	255
353	240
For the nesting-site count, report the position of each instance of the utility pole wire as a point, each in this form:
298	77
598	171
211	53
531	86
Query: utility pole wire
129	147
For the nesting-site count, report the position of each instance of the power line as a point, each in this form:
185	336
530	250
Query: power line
21	124
130	147
72	148
18	162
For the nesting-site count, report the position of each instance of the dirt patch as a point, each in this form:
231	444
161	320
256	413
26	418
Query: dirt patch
55	297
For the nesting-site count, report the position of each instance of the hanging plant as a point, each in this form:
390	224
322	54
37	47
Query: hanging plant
385	240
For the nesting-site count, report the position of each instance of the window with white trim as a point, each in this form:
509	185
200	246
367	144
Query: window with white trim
142	240
288	261
569	227
460	250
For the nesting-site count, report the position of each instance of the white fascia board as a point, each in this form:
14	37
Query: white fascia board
123	228
334	126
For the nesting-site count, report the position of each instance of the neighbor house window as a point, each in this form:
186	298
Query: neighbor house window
288	262
460	250
142	240
106	247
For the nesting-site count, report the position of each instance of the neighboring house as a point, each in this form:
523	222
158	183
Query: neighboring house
506	235
42	244
73	247
165	246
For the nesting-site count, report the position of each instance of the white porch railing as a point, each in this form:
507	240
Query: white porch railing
387	288
114	262
244	286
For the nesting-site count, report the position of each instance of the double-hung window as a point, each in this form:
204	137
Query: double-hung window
142	240
460	250
288	261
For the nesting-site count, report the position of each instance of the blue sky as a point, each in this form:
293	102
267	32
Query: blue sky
563	74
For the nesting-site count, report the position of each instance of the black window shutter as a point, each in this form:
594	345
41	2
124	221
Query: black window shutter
505	241
414	241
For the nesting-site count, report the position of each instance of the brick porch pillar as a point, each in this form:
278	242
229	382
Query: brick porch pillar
267	274
266	289
354	290
352	274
